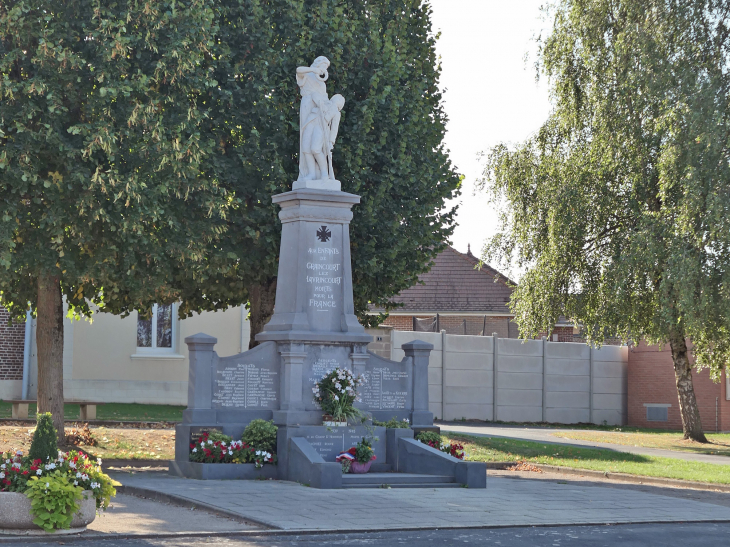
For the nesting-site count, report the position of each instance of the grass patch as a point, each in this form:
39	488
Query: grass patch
113	411
668	440
490	449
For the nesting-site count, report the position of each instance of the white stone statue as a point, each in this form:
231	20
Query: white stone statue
319	121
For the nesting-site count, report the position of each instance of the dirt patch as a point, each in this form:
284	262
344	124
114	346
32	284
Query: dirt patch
524	466
111	442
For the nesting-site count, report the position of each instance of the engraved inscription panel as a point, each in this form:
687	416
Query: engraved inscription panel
324	275
330	442
242	385
386	388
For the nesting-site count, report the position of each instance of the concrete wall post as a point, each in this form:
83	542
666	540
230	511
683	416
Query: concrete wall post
419	352
544	379
590	384
443	375
495	375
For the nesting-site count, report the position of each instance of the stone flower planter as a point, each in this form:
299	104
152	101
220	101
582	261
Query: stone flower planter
15	515
357	467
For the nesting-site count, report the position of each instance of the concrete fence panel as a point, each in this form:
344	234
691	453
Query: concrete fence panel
491	378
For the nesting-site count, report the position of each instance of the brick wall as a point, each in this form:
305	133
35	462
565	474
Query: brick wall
651	381
12	339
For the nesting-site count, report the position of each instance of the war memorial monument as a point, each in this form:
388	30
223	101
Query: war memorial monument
314	330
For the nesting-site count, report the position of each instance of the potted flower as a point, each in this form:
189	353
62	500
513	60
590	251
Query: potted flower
364	457
49	489
336	394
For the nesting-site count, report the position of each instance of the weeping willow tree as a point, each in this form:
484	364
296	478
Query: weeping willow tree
619	206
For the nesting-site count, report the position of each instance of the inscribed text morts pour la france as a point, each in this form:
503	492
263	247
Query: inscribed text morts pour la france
323	274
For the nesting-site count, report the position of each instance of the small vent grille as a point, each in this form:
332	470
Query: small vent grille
657	414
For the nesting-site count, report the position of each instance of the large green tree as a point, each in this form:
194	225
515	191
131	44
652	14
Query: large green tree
389	149
101	199
619	207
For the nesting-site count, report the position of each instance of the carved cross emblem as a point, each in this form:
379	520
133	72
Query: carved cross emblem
323	234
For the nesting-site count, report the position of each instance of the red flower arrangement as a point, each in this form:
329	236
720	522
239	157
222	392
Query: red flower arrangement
225	450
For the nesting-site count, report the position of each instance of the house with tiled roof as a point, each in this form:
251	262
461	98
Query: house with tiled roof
460	296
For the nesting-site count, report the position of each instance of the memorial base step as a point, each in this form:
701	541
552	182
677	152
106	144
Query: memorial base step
398	480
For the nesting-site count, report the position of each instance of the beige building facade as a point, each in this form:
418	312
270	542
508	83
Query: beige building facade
102	360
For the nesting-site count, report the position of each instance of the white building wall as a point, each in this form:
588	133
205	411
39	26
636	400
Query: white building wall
101	363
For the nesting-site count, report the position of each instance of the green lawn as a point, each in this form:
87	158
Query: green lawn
719	443
490	449
114	411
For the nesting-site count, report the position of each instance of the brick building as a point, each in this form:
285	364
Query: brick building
12	341
652	392
461	298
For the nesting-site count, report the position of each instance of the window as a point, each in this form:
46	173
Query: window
157	334
657	412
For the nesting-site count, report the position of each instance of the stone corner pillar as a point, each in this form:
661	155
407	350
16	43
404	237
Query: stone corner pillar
292	369
420	353
202	360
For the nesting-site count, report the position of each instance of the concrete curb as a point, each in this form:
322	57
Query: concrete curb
309	532
106	464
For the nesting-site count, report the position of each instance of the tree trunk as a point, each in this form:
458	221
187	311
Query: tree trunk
261	307
691	422
49	338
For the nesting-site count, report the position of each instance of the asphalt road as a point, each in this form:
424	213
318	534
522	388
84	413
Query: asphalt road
645	535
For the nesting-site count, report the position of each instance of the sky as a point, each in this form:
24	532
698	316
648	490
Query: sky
490	93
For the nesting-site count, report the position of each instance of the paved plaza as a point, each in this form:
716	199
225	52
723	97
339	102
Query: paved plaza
505	502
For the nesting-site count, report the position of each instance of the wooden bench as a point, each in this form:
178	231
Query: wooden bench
87	409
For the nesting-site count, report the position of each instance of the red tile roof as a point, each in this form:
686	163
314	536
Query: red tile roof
455	283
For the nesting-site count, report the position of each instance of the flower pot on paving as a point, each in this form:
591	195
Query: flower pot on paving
15	517
357	467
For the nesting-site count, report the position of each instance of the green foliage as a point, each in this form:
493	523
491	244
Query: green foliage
141	145
393	423
217	436
44	444
53	500
619	204
428	437
261	435
389	149
364	451
102	144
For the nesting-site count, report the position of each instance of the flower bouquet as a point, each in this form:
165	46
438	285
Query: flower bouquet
336	394
358	458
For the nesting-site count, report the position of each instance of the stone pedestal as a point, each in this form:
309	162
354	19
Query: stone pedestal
314	323
314	288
